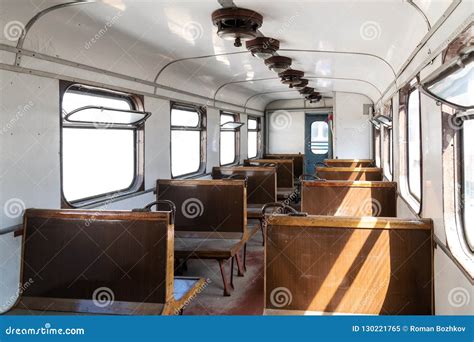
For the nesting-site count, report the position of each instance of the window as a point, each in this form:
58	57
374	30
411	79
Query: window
100	148
414	144
229	147
468	181
319	137
187	140
253	135
388	145
377	145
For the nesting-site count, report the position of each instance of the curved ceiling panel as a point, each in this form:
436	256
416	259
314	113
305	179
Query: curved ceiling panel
433	10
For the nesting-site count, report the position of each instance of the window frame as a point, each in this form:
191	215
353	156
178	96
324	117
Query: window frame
377	131
138	181
236	160
388	146
407	147
201	127
415	204
258	130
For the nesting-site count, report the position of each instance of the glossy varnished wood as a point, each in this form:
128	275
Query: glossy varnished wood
347	198
298	161
261	181
349	265
349	162
285	173
350	173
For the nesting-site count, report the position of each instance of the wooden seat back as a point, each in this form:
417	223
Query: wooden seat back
298	161
206	207
117	262
349	198
285	174
349	162
261	181
322	264
350	173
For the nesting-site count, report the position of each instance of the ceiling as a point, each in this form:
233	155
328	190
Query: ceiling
347	46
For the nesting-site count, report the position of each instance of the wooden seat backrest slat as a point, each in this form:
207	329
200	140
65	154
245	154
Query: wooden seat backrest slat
70	254
261	181
215	206
355	265
349	198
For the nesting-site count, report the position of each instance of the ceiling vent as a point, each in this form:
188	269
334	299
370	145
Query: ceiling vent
263	47
278	63
303	83
291	77
234	23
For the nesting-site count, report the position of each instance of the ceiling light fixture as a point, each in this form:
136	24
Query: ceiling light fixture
278	63
263	47
314	97
291	77
306	91
303	83
234	23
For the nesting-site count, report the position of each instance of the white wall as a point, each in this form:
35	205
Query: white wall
351	128
285	131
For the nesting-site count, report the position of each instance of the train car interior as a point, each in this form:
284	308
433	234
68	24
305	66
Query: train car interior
236	157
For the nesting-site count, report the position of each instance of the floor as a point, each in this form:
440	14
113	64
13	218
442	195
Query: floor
247	296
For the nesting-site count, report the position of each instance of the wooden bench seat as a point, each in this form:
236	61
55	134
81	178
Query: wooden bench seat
210	222
298	161
350	173
349	198
349	162
75	258
348	265
285	173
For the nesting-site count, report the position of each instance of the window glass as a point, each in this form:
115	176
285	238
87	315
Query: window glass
319	137
184	118
97	159
468	181
252	135
414	144
228	143
186	130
